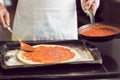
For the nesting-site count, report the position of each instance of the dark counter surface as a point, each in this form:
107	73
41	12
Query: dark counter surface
110	68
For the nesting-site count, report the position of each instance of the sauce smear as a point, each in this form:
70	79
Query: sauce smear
49	54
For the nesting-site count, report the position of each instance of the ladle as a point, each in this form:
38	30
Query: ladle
23	46
91	15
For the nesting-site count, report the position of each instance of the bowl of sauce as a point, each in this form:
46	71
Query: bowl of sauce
98	32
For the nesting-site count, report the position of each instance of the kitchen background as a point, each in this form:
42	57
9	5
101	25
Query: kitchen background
109	11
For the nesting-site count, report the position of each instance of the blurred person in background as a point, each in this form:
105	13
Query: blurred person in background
45	19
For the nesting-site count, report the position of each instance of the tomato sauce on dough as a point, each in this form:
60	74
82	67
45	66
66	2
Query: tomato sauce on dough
49	54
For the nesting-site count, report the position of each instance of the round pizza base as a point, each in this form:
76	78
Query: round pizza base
26	61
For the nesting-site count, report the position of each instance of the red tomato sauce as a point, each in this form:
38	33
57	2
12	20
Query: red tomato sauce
48	54
99	30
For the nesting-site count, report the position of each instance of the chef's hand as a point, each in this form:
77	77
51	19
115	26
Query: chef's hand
87	4
4	16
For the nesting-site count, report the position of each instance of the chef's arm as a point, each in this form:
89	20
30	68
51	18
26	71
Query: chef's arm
4	15
87	4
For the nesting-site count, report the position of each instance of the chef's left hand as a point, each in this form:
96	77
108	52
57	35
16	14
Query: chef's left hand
4	16
87	4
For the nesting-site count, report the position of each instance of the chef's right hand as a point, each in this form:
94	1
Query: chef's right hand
4	16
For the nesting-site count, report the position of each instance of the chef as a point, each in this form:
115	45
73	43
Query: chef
45	19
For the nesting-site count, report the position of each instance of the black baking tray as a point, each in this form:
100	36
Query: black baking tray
11	45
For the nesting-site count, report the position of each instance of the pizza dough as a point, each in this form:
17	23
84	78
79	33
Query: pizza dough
58	54
46	54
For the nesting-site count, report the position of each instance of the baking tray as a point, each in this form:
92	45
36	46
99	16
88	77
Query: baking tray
75	44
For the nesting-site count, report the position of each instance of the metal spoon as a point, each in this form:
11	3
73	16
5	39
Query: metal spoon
23	46
91	15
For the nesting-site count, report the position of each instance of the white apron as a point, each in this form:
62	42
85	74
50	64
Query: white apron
45	20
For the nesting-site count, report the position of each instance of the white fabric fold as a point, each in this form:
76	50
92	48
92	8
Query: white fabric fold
46	20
